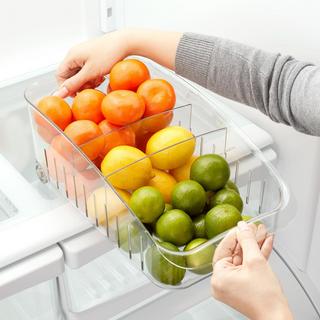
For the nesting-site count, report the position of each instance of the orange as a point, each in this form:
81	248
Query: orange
66	156
56	109
81	184
122	107
87	135
128	74
116	136
157	122
164	182
142	140
158	95
87	105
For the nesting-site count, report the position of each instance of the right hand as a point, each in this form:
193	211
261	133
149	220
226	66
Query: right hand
242	277
87	63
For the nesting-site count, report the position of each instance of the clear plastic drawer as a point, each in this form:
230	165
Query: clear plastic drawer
68	168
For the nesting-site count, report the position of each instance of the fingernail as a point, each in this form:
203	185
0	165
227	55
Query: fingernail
242	225
61	92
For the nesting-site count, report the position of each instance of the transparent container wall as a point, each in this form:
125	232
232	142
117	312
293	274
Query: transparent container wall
259	188
22	195
36	303
70	170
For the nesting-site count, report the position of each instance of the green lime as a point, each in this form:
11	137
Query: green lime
133	231
209	195
231	185
221	218
227	196
161	269
199	226
201	261
246	218
211	171
175	226
147	204
189	196
167	207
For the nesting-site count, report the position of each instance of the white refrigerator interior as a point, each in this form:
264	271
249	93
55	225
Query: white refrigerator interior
55	266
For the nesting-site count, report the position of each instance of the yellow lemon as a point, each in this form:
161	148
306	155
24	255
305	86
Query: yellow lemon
178	144
127	168
164	182
105	199
183	172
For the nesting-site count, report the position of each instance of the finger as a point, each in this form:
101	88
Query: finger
74	83
222	264
237	255
261	234
248	242
267	245
226	246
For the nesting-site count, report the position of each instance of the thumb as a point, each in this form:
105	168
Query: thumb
74	83
248	242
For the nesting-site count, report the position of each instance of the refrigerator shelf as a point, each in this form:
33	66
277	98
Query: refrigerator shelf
68	168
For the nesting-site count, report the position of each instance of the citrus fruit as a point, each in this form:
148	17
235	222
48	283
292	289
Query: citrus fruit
175	226
221	218
80	184
156	122
158	95
159	266
227	196
209	195
128	74
130	237
87	135
56	109
189	196
179	144
201	261
164	182
231	185
211	171
116	136
142	140
122	107
167	207
127	168
105	199
183	172
247	218
199	226
87	105
63	154
147	204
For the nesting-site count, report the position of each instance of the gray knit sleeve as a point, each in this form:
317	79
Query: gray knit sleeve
281	87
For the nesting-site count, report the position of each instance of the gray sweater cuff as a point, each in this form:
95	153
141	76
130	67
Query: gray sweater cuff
193	57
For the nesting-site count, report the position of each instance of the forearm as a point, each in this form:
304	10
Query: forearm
283	88
159	46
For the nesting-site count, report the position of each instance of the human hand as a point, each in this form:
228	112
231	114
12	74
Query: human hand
242	277
86	64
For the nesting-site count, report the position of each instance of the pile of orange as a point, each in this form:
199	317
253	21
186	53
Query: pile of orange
98	122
